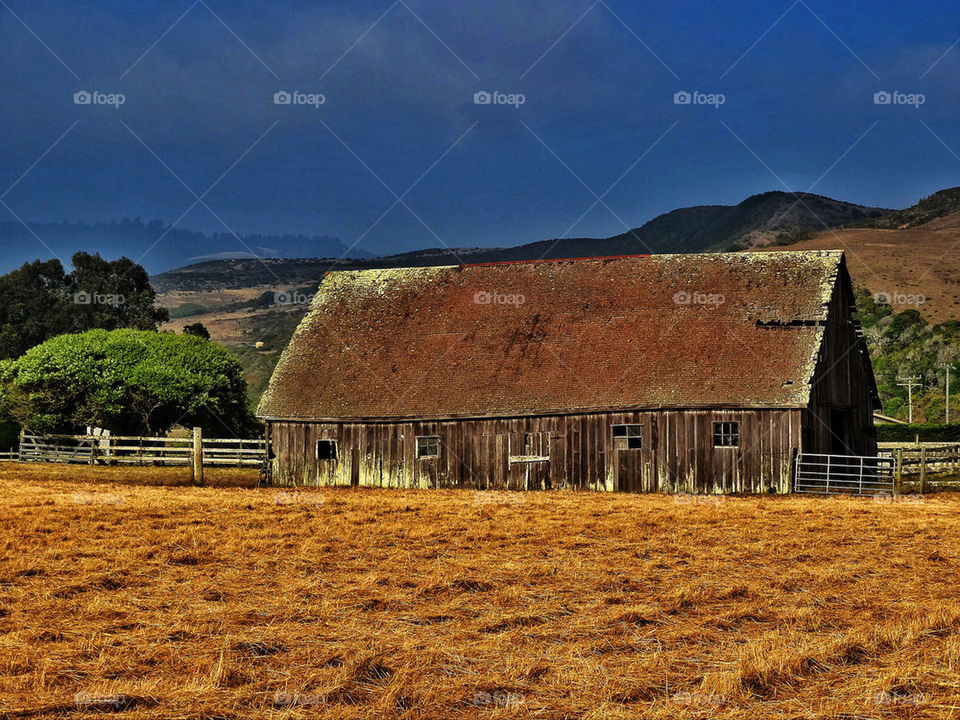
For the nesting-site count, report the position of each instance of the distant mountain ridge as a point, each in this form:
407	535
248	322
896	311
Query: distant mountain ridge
139	241
769	218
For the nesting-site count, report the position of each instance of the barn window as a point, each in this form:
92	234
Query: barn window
428	447
627	437
726	434
326	449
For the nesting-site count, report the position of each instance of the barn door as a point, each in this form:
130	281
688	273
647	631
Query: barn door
633	460
528	460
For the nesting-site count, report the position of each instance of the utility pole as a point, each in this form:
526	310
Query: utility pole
909	383
947	367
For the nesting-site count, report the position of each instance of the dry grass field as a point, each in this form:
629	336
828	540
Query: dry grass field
123	595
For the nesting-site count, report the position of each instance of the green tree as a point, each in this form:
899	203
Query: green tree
40	300
34	304
197	329
128	381
112	294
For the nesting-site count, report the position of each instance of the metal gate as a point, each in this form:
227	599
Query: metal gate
849	474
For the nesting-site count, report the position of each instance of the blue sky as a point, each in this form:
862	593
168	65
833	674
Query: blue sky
399	156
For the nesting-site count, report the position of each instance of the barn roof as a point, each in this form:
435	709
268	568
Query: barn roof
508	339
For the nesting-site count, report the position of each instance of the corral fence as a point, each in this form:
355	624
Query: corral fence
120	450
844	474
925	465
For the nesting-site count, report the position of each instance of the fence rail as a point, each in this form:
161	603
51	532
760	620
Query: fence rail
122	450
943	458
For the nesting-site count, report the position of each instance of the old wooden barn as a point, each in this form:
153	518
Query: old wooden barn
676	373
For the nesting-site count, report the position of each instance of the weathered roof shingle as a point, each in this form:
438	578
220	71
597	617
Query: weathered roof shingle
710	330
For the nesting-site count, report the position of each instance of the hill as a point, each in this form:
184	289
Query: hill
933	207
769	218
916	267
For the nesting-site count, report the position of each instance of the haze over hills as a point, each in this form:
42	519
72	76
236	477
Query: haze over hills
154	245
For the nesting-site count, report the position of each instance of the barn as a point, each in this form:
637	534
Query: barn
700	373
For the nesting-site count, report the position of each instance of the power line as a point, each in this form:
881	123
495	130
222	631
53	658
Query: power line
909	383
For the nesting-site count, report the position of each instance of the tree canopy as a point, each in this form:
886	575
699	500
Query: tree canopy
41	300
197	329
128	381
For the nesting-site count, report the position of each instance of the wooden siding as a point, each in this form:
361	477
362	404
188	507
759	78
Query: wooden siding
839	419
677	453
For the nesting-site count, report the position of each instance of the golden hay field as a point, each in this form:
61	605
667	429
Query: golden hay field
123	595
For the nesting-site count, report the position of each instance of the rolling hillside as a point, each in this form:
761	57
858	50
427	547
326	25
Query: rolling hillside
917	267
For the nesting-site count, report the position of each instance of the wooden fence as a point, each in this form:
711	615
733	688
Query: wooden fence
925	462
119	450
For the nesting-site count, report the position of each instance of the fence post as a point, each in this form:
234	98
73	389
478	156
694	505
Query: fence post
860	490
923	468
196	463
898	472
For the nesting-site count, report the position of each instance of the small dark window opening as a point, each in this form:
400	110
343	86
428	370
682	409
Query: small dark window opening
326	449
627	437
428	447
726	434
